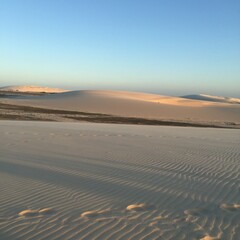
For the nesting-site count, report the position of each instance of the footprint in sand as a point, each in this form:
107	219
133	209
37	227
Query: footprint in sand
230	207
46	211
115	214
207	237
28	213
196	211
101	213
90	214
133	207
138	207
33	213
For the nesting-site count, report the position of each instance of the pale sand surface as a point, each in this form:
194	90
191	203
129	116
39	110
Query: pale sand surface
103	181
211	98
142	105
31	89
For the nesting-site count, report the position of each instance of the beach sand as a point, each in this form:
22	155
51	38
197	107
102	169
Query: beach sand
105	181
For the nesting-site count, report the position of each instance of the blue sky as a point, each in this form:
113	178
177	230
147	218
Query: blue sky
170	47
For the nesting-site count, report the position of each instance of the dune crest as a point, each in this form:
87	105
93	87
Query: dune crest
210	98
33	89
139	105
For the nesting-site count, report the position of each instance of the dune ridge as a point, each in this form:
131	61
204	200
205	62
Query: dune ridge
142	105
33	89
118	182
206	97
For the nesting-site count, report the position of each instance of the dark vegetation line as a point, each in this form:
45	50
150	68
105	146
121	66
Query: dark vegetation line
45	110
87	117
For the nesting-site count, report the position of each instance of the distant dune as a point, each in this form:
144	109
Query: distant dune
34	89
210	98
133	104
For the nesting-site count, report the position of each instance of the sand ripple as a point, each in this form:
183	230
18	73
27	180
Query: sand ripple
116	182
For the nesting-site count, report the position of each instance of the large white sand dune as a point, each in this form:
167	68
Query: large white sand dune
99	181
31	89
137	105
205	97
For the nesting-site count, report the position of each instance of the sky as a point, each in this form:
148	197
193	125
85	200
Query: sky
172	47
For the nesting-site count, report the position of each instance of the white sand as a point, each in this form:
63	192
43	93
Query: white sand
33	89
211	98
101	181
142	105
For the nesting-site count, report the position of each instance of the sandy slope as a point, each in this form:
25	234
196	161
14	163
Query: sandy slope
98	181
33	89
210	98
137	105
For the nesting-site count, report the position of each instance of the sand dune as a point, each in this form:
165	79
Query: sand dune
131	104
33	89
205	97
102	181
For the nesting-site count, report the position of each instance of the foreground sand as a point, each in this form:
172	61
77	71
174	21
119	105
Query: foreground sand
102	181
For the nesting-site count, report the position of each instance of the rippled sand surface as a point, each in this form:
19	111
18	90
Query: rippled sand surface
103	181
